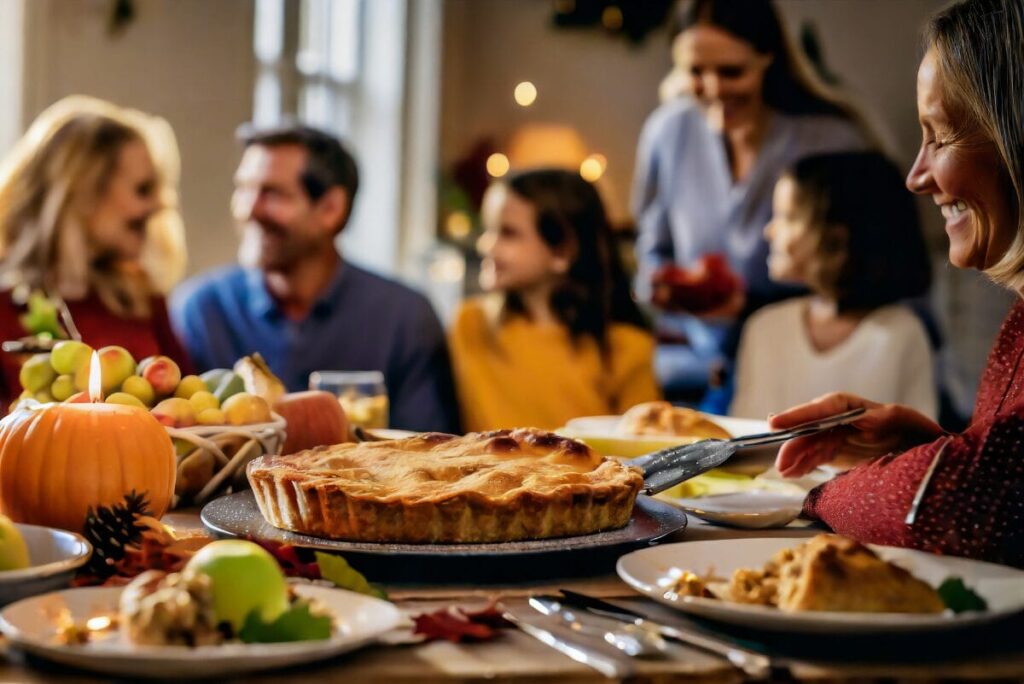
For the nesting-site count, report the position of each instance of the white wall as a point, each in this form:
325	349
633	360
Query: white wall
603	87
189	61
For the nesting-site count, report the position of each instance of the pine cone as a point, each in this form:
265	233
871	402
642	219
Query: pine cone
110	529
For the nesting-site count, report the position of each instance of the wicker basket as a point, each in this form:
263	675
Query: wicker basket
217	463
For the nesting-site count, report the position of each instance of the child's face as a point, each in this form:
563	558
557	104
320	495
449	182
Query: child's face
788	235
515	256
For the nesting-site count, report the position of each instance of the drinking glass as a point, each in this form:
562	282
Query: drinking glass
361	393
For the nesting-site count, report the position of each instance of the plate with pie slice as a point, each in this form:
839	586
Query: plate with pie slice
237	515
659	425
826	585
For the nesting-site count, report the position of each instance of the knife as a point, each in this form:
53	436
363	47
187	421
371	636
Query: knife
613	667
753	663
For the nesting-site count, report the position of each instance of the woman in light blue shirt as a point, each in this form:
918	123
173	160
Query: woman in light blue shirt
747	107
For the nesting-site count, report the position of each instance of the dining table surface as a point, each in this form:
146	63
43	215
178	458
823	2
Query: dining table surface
994	652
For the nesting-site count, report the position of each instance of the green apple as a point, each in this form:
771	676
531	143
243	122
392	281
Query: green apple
213	377
69	355
244	578
36	373
63	387
230	385
124	399
139	388
116	366
13	551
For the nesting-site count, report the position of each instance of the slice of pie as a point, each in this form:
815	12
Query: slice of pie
496	486
660	418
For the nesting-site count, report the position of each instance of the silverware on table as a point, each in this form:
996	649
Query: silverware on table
630	639
754	664
611	666
668	467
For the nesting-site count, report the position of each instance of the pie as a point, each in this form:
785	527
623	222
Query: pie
829	572
498	486
660	418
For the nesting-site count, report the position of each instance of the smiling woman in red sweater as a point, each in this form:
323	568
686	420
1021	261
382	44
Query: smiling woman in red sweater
968	488
88	215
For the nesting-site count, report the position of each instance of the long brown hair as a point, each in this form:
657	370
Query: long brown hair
58	167
790	83
596	290
980	49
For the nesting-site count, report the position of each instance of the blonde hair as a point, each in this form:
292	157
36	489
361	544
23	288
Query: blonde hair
58	167
980	50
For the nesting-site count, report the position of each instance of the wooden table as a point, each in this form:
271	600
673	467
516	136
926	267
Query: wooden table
995	653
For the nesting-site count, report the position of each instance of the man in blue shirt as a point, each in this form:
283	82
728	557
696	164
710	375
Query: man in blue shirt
297	302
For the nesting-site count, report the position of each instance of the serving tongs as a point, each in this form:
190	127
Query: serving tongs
668	467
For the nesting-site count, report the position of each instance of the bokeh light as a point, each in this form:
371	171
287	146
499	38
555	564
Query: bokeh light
497	165
525	94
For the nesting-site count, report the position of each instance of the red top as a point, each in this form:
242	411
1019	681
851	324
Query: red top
99	327
974	502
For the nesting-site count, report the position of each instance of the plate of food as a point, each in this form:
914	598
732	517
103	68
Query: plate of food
454	508
229	611
827	584
657	425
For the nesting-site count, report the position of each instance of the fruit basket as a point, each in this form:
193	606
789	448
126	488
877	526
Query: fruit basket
212	458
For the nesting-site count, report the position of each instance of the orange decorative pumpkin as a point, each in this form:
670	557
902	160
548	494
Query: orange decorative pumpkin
314	418
57	460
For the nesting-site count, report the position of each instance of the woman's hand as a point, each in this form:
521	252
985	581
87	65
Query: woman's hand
882	429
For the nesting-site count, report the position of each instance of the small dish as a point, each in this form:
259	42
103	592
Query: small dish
31	625
54	554
754	509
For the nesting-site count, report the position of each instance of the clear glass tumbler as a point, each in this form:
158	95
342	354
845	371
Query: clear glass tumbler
362	394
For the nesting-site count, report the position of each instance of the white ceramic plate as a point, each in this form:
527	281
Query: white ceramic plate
754	509
30	625
605	425
54	556
648	572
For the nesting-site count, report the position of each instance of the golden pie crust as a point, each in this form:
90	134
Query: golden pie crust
660	418
504	485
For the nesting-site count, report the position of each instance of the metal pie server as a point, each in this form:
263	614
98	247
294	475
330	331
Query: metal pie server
754	664
668	467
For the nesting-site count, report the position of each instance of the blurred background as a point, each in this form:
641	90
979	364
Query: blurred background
437	96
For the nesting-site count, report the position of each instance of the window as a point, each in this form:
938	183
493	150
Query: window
368	71
308	56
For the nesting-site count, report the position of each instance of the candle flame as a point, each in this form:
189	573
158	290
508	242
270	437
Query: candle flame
98	623
95	378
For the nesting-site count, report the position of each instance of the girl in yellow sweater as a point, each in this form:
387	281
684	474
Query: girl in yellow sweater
558	335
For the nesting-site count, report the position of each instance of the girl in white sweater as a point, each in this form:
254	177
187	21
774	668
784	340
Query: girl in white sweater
844	226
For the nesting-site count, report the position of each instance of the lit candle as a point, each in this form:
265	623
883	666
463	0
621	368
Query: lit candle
95	379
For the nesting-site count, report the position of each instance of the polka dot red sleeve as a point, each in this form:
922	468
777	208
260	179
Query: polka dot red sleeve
973	502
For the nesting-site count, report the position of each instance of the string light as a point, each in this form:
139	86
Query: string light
497	165
525	94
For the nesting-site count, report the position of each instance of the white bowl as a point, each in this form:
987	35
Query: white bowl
54	554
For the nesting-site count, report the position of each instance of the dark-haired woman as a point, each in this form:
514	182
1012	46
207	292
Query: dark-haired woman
859	259
558	336
959	494
708	159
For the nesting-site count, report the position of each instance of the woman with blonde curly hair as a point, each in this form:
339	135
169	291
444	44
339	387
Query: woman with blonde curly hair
88	217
